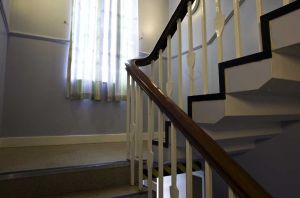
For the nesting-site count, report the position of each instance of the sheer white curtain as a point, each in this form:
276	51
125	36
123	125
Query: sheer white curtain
104	36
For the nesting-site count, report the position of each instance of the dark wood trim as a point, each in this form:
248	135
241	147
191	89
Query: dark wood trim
4	16
170	30
137	194
53	171
235	176
167	135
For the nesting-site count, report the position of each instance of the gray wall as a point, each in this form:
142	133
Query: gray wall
275	163
34	101
3	47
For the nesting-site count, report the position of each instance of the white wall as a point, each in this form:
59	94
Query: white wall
153	16
35	103
46	17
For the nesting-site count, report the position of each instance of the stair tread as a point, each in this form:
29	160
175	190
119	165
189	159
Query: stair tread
103	193
45	157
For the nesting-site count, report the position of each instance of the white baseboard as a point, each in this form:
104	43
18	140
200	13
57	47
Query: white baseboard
63	140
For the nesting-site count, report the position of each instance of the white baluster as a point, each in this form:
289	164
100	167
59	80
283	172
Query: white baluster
136	135
204	47
150	138
237	28
208	180
137	131
231	193
259	10
179	41
173	188
141	130
191	53
160	70
189	170
180	95
169	87
219	27
160	135
128	117
285	2
191	63
174	192
132	133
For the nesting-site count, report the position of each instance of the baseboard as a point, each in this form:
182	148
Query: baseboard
63	140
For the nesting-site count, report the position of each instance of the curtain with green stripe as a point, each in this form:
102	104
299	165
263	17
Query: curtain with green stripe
104	36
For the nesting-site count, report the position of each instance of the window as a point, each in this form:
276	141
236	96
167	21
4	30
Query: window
104	36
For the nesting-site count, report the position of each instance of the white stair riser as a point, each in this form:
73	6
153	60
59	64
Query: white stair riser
240	105
285	30
256	75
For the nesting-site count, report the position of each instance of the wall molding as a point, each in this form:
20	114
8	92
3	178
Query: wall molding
4	16
64	140
39	37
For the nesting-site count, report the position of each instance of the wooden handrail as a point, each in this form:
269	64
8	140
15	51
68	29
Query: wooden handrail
232	173
170	30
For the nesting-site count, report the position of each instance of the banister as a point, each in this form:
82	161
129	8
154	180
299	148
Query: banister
170	30
232	173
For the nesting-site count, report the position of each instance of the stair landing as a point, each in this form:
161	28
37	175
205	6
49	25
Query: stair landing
45	157
115	192
58	170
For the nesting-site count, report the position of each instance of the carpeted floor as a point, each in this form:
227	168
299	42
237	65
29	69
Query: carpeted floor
41	157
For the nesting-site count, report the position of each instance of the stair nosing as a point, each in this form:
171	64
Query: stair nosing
59	170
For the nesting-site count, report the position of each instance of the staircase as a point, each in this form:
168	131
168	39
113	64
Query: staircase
83	170
256	94
60	181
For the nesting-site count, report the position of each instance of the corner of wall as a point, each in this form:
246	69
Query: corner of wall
4	28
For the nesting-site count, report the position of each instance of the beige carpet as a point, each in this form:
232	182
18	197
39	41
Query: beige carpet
41	157
107	193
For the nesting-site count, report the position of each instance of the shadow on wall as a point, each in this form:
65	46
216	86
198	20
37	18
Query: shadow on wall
275	163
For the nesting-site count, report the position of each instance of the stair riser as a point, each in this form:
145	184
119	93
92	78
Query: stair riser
55	184
270	108
285	30
257	77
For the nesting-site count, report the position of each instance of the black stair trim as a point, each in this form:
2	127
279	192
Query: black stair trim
167	134
265	54
138	194
197	166
59	170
